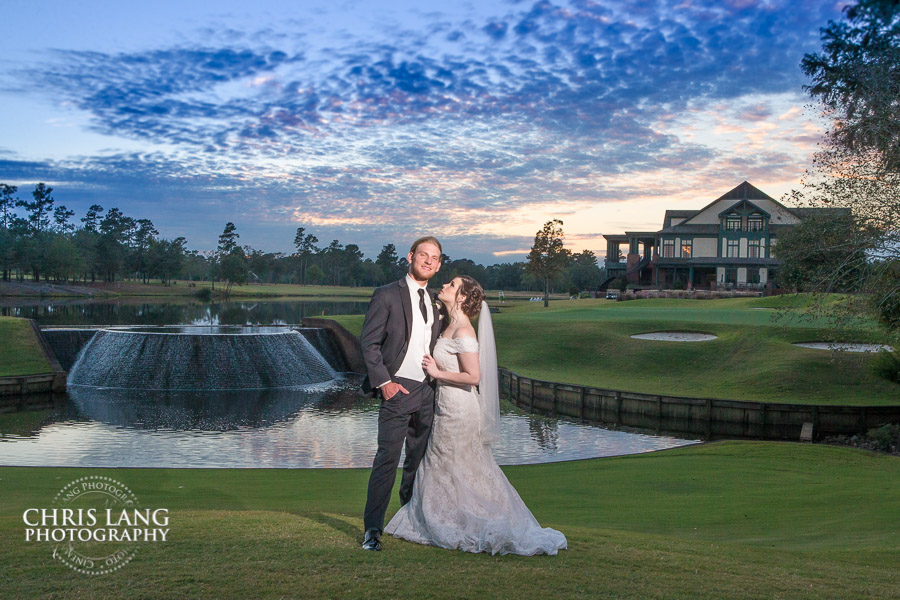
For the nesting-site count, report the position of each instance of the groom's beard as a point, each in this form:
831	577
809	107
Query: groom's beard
420	275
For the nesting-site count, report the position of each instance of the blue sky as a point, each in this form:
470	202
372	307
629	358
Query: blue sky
374	122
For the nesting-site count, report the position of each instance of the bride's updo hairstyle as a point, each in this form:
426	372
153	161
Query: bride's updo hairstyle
474	294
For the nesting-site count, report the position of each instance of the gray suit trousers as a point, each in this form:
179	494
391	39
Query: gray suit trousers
404	417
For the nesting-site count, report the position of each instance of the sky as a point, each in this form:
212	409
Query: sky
377	121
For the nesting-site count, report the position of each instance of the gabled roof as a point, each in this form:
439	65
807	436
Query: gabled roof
734	207
745	191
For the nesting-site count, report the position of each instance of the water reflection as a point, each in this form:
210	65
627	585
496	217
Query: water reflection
203	411
544	431
174	311
318	426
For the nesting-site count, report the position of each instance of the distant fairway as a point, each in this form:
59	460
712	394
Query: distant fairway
589	342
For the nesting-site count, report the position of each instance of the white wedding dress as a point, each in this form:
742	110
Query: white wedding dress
461	499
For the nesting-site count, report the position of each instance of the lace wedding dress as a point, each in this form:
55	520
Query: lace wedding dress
461	499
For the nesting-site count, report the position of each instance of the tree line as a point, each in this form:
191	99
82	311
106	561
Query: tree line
855	80
40	241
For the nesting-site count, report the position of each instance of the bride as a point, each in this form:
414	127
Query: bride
461	499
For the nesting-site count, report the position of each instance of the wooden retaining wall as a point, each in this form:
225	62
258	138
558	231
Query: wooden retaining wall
707	418
32	384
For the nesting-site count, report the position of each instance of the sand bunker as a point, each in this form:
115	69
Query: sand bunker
675	336
845	346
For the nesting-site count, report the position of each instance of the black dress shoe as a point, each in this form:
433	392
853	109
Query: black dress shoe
373	540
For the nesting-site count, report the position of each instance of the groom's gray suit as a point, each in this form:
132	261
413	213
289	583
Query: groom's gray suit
385	340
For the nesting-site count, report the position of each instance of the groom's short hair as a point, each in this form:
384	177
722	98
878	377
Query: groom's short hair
425	240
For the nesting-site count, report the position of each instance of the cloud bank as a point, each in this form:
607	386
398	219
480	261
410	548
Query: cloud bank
467	127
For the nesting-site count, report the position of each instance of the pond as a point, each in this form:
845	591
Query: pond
176	311
327	426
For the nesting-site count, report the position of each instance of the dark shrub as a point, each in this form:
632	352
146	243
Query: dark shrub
886	437
204	294
887	365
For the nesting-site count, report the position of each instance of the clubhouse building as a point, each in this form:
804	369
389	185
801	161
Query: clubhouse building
726	244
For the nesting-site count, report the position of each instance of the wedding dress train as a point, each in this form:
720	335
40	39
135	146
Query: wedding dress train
461	499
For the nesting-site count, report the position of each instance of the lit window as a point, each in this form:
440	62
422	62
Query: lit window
687	247
668	248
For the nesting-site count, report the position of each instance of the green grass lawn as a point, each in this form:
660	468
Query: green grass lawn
723	520
20	351
588	342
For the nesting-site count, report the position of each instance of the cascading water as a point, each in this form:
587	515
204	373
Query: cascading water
199	358
326	345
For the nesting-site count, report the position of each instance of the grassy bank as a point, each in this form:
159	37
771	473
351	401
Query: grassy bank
20	351
725	520
589	342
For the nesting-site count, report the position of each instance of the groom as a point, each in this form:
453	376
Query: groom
400	327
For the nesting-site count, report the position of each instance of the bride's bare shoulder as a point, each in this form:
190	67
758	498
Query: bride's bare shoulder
466	331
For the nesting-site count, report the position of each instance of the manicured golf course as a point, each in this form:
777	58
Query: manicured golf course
588	342
722	520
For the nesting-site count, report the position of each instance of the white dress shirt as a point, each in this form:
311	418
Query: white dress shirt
420	336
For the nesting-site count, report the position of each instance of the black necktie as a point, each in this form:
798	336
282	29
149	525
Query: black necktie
422	305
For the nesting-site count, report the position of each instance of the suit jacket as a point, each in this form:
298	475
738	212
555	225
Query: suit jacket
386	330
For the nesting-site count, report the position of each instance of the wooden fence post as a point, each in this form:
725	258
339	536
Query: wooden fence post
815	420
658	414
581	400
618	397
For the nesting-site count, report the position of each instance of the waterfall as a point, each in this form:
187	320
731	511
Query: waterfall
327	346
191	359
